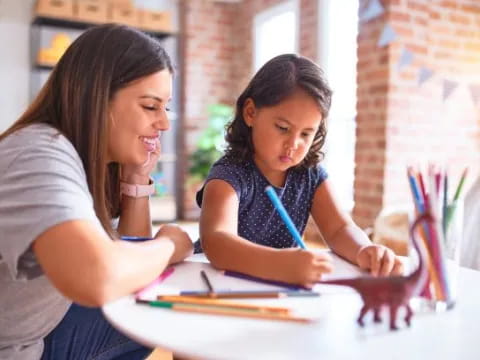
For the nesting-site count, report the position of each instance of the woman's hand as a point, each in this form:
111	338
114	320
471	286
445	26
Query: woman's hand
181	240
379	260
140	174
304	267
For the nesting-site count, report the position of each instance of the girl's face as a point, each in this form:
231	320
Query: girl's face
282	134
138	113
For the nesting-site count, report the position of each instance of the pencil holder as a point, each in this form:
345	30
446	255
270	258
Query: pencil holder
443	241
453	244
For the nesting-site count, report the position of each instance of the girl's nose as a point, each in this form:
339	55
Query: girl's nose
292	143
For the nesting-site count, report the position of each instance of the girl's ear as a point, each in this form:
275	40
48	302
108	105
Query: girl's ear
249	112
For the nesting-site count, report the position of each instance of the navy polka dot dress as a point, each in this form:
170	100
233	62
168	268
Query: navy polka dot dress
258	221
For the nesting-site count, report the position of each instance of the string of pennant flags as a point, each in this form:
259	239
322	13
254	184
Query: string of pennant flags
371	9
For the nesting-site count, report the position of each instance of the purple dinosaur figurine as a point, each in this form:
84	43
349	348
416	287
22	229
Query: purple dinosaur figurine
390	291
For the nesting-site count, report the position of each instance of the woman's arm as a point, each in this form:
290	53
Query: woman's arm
135	217
226	250
135	212
91	269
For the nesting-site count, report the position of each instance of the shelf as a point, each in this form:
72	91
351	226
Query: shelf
38	66
81	25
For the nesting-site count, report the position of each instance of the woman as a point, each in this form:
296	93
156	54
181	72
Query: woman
79	157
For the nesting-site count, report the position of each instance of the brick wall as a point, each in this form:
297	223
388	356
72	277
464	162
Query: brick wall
218	63
400	122
207	51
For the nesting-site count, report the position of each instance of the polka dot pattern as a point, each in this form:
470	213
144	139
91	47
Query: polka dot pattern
258	221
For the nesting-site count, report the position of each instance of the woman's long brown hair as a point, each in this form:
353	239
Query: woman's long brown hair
75	101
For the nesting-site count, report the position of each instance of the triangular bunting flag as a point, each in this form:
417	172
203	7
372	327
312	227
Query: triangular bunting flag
424	74
406	59
448	87
371	10
387	36
475	91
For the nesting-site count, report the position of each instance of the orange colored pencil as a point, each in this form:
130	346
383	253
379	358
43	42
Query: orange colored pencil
239	313
223	303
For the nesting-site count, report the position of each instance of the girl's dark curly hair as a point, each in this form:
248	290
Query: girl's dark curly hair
272	84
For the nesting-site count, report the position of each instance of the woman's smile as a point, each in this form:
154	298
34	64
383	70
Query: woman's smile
149	142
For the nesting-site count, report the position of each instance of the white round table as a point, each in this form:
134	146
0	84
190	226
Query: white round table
334	335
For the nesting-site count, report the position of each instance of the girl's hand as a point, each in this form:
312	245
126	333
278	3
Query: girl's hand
181	240
305	267
380	260
140	174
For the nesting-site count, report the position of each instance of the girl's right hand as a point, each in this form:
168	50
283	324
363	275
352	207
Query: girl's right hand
305	267
181	240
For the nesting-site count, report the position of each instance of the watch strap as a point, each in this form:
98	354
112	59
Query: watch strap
137	190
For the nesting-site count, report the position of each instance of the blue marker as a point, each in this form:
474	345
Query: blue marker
277	204
135	238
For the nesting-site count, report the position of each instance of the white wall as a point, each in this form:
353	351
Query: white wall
15	18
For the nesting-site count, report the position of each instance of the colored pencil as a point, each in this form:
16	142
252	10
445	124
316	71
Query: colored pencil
445	204
460	185
135	238
248	294
205	278
451	208
223	303
277	204
243	276
211	310
169	271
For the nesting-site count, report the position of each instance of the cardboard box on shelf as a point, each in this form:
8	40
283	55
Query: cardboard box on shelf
92	11
54	8
155	20
123	14
122	3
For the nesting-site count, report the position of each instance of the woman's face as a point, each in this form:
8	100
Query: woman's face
138	113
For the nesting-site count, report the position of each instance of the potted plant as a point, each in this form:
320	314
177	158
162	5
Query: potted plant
209	149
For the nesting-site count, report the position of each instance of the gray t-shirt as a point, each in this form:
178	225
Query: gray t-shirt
42	184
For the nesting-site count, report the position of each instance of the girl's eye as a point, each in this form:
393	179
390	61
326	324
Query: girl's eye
167	109
149	108
281	128
305	135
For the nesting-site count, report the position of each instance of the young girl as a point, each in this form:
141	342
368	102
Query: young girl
79	157
276	139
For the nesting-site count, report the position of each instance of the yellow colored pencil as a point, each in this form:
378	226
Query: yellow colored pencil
223	303
215	310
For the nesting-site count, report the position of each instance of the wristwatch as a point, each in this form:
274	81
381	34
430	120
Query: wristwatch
136	190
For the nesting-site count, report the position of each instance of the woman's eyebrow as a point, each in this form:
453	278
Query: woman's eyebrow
151	96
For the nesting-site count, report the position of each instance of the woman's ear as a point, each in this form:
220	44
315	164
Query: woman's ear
249	112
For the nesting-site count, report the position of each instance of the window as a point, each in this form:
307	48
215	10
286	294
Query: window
337	50
275	32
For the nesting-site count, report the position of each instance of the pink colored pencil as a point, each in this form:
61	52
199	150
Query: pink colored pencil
155	282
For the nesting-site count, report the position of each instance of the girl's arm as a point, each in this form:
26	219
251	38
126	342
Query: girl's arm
226	250
342	235
91	269
346	239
